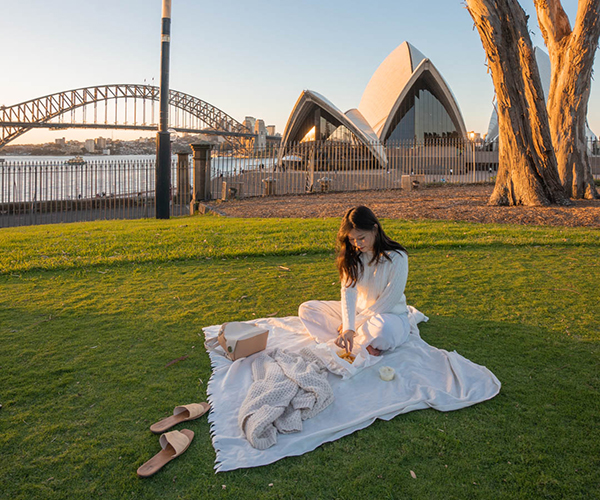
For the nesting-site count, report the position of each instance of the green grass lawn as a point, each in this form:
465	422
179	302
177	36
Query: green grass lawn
91	314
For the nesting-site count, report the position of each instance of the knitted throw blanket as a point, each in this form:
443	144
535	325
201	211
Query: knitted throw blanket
288	388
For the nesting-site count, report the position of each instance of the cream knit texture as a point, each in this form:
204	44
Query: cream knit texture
288	388
379	290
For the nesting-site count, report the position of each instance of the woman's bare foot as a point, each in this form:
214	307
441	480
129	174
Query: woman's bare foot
372	351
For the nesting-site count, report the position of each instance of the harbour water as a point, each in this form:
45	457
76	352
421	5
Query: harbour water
87	158
45	178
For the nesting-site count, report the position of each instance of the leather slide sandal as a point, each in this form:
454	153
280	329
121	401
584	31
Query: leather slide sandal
173	444
183	413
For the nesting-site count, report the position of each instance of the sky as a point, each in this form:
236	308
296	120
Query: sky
245	58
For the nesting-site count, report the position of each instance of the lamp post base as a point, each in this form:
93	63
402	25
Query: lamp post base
163	175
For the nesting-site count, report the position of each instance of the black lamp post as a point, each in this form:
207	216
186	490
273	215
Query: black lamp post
163	138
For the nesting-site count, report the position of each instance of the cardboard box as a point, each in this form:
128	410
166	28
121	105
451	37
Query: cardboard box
239	340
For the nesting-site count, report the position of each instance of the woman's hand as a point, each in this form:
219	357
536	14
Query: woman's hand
346	340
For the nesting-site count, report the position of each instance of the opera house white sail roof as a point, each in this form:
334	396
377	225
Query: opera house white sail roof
300	122
387	83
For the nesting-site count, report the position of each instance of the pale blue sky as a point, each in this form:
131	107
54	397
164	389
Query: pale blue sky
246	58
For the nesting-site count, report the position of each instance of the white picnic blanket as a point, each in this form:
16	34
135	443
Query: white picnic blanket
426	377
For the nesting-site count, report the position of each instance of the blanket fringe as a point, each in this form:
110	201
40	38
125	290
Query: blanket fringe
212	414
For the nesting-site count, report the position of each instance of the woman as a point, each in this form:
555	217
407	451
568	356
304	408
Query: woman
373	271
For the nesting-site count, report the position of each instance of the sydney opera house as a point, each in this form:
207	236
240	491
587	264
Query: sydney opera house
407	99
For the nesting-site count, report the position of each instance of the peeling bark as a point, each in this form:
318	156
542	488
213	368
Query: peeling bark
571	57
527	171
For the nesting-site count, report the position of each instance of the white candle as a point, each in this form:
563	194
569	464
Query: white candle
386	373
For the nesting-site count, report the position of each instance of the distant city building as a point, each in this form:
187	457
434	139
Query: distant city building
60	141
100	143
261	135
250	122
270	129
90	145
406	99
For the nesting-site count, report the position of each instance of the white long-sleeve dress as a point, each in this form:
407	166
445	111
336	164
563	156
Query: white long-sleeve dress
375	307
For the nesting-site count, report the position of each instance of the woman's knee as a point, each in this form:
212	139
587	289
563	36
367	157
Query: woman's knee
307	308
388	331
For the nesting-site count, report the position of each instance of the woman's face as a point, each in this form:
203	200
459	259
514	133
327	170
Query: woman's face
362	240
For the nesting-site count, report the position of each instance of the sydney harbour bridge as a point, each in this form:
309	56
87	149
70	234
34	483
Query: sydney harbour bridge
120	106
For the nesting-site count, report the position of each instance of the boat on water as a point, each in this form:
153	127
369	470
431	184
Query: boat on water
76	160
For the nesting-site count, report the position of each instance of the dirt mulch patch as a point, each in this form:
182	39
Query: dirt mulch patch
450	202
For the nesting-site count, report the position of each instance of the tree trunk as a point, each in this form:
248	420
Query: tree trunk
527	173
571	58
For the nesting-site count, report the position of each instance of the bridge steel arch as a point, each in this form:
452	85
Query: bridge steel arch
24	116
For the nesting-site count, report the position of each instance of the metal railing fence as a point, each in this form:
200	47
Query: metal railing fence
346	166
61	190
54	191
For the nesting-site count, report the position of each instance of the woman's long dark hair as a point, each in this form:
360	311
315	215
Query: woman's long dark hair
348	258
